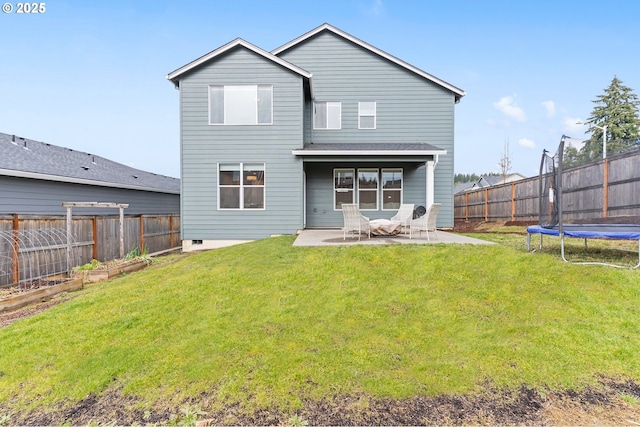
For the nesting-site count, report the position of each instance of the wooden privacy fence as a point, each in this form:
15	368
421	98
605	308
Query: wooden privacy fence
93	237
607	188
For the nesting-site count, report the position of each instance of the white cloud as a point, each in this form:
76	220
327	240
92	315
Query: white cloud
570	127
550	106
526	143
508	106
377	7
574	142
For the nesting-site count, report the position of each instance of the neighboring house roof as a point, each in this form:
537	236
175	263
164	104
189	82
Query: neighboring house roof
26	158
459	93
461	188
487	181
174	76
370	149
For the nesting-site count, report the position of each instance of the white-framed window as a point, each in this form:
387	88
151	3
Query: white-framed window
343	187
241	105
367	115
372	188
241	186
391	189
368	189
327	115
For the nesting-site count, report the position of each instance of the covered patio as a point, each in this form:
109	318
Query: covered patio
334	237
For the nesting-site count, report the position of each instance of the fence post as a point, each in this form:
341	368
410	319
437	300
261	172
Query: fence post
171	231
94	233
466	207
69	239
14	258
513	201
121	231
486	205
605	192
141	233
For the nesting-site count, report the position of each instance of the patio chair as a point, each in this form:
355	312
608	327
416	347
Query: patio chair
354	221
426	222
404	215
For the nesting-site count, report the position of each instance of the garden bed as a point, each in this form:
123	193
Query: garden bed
98	272
14	297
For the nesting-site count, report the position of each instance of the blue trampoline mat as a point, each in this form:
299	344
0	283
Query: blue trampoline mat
591	231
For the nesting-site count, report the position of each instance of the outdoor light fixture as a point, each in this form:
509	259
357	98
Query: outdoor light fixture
604	136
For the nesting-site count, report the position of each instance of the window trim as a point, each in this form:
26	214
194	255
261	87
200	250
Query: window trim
326	103
224	109
382	189
374	115
242	186
377	190
353	190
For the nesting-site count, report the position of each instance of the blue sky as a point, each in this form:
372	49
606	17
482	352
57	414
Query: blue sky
91	75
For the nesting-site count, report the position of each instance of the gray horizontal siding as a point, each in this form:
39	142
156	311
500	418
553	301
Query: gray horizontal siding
409	108
40	197
203	146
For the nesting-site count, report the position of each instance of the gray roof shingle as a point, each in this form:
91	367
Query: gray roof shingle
27	157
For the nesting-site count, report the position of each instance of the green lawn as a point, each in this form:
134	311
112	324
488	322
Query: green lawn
266	324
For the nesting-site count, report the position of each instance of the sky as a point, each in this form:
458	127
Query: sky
91	75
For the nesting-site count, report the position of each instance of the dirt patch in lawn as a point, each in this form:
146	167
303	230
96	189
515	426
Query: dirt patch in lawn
611	403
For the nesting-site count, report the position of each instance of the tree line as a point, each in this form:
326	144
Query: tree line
616	113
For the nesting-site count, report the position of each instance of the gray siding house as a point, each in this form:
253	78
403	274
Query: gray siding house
273	142
36	178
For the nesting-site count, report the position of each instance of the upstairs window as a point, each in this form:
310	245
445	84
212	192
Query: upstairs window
366	115
241	105
327	115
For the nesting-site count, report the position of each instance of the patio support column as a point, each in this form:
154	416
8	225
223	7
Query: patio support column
430	166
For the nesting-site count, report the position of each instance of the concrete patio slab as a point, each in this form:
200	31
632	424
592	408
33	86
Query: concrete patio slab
334	237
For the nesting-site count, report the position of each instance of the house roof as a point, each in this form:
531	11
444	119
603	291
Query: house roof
461	188
369	149
459	93
26	158
174	76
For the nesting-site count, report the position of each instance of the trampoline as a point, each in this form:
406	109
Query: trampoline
588	231
550	212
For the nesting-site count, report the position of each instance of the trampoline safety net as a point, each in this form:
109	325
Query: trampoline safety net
550	187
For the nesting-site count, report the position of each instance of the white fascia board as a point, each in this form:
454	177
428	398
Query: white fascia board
237	42
368	152
57	178
373	49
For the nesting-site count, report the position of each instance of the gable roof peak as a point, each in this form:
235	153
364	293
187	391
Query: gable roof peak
174	76
458	93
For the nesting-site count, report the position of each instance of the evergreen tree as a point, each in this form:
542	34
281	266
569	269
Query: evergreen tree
617	108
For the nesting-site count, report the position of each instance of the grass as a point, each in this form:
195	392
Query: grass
266	324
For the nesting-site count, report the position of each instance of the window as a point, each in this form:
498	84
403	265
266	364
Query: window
241	186
241	105
368	189
366	115
327	115
343	187
391	189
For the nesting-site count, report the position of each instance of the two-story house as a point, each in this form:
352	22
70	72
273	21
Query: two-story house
273	142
